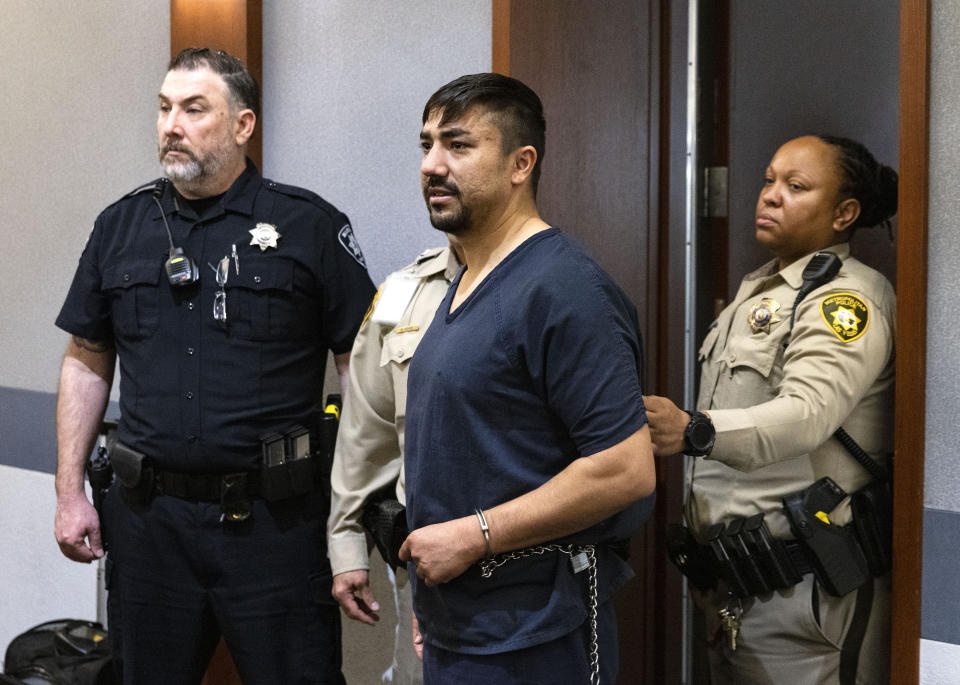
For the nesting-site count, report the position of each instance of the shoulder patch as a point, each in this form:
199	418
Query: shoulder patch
846	315
349	241
373	304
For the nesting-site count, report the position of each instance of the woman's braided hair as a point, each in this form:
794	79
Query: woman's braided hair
872	184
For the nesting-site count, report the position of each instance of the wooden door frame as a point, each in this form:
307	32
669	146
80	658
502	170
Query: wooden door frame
909	422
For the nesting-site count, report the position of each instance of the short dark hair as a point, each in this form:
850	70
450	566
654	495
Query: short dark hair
243	88
872	184
518	112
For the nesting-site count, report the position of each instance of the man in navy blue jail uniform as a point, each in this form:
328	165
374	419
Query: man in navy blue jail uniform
221	294
528	453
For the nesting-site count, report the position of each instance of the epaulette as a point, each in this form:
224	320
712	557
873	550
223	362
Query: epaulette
151	186
428	254
430	262
302	193
146	187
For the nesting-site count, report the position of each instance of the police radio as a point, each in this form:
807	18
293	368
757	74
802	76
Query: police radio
821	269
180	269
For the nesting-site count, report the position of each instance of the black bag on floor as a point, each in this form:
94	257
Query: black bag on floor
62	652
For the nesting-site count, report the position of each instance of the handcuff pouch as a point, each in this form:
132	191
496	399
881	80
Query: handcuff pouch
133	472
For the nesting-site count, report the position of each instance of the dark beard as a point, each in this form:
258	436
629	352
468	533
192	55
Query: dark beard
454	224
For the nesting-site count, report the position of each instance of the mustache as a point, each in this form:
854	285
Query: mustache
437	183
175	146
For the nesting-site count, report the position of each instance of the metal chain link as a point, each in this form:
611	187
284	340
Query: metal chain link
490	564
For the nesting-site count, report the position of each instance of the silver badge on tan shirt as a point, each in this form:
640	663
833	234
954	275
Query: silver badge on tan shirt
762	314
264	235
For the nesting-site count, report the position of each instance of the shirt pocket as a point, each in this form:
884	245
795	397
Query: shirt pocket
399	345
759	355
135	298
261	304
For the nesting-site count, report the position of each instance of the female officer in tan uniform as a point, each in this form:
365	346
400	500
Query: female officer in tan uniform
772	398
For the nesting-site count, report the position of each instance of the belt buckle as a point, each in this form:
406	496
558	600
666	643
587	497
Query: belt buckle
235	506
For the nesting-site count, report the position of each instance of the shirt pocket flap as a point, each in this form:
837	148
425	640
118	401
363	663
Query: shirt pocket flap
400	344
758	351
129	274
275	275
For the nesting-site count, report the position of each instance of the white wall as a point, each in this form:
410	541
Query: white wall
38	583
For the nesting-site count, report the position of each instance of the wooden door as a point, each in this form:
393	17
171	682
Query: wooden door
600	70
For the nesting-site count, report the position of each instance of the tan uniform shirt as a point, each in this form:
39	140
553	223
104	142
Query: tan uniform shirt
369	450
775	408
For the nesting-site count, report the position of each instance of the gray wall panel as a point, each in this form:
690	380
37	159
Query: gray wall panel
79	131
344	87
819	66
942	477
941	582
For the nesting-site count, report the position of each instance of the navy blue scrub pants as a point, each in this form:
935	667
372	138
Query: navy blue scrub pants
178	579
564	661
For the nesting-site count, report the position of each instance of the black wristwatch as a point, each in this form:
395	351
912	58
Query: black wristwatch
699	435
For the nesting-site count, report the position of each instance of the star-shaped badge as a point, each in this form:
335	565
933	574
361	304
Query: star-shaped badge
846	319
762	314
264	235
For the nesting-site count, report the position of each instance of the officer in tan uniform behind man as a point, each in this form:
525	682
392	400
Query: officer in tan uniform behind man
369	452
780	372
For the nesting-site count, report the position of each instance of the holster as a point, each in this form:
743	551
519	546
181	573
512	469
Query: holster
873	523
834	551
386	521
133	473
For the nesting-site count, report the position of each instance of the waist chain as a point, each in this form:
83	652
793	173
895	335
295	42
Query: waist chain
582	557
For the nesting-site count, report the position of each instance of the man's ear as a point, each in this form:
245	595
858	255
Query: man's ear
845	213
523	159
246	122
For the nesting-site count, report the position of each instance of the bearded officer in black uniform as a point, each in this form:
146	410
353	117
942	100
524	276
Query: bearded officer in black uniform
221	294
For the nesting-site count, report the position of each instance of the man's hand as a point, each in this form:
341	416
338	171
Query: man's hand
417	637
443	551
667	423
75	525
352	590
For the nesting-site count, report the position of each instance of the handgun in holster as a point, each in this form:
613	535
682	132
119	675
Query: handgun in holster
833	551
385	519
100	472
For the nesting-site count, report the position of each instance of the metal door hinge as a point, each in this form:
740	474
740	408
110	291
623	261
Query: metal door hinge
715	191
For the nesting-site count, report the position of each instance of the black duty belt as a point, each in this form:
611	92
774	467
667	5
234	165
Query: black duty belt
205	487
750	561
743	555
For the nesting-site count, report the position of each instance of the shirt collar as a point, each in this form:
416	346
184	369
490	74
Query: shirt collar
792	275
238	197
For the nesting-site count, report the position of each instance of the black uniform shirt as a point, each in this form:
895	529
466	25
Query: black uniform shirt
196	394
